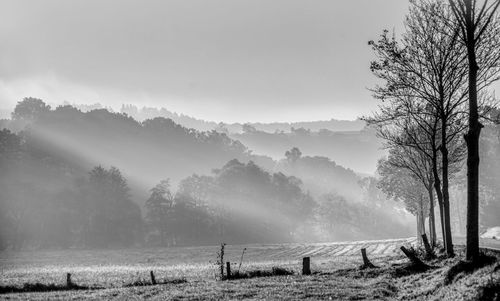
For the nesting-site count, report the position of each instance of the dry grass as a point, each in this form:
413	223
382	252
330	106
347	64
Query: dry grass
333	278
115	268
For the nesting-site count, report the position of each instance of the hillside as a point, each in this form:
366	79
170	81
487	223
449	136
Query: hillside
203	125
347	142
357	150
146	152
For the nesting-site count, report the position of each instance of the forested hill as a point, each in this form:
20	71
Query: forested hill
321	175
357	150
347	142
155	149
73	178
145	152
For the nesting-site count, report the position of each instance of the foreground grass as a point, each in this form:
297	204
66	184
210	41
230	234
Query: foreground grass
280	287
116	268
385	283
334	278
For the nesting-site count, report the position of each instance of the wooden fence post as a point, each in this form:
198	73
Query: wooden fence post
228	270
306	266
68	280
153	280
366	261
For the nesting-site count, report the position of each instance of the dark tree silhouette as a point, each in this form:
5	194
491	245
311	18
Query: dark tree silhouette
424	80
113	218
479	28
293	155
159	208
29	109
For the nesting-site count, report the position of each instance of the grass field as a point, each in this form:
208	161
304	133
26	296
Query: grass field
115	268
334	265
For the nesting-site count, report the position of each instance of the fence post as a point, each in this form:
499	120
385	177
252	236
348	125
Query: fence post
228	270
68	280
306	266
366	261
153	279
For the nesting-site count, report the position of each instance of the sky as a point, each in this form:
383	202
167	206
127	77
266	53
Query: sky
218	60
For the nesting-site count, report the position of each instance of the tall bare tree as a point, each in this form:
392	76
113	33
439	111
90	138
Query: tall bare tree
417	135
475	19
425	83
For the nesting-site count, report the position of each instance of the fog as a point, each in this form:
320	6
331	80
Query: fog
172	124
50	159
100	179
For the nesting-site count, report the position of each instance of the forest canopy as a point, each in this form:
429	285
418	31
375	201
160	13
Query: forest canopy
64	184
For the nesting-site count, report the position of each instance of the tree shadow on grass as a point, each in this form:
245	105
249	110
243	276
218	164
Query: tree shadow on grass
275	271
40	287
467	267
163	282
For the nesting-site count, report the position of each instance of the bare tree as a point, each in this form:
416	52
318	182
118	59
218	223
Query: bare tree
417	135
420	167
478	25
400	184
425	77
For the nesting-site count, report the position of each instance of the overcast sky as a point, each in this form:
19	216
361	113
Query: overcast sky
221	60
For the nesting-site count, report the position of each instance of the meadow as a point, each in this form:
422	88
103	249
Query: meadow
334	265
115	268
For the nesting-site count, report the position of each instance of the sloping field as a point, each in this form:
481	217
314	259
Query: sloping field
320	250
336	275
115	268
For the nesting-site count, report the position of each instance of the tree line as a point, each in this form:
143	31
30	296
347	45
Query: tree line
46	203
51	196
435	100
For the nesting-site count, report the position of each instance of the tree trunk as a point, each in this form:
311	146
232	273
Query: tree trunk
427	246
472	140
422	216
437	188
419	228
459	216
446	195
432	221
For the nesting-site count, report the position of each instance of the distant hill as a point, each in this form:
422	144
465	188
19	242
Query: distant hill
159	148
348	143
146	152
331	125
202	125
357	150
320	176
47	161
